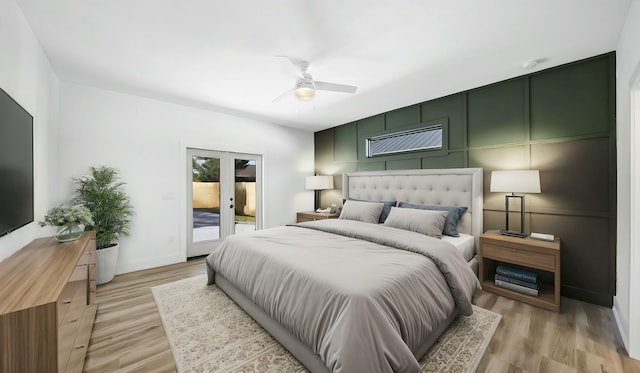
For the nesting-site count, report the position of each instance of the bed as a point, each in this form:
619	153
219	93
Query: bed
349	296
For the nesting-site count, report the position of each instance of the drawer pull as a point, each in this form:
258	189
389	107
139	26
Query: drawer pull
79	346
68	301
74	320
514	250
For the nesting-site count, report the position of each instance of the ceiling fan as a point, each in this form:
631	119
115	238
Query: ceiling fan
305	88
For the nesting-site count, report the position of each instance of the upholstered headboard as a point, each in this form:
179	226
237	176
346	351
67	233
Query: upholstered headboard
449	187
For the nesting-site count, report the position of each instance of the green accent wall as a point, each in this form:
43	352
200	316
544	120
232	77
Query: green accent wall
560	121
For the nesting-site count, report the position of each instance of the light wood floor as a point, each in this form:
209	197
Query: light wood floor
128	334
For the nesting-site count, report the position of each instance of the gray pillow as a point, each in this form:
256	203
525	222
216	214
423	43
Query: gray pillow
368	212
385	211
455	214
427	222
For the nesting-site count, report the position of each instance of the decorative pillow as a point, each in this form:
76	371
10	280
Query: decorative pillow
385	211
428	222
455	214
367	212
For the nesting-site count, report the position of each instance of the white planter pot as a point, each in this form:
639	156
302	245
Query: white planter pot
106	260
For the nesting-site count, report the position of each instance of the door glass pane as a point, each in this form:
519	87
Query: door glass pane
245	195
206	198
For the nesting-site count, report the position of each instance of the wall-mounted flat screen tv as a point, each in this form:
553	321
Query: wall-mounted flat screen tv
16	165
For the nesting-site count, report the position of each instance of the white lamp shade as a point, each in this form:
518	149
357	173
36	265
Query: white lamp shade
319	182
515	181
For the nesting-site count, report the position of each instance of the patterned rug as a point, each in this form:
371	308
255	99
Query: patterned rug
208	332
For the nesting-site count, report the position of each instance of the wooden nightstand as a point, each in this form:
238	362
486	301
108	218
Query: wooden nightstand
311	216
496	249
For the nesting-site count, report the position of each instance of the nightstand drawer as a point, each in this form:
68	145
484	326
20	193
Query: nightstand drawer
519	256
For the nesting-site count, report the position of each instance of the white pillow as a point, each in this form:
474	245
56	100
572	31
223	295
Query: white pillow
368	212
428	222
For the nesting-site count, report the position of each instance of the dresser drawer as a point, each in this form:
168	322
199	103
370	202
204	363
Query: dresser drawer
81	343
70	322
84	259
91	292
91	257
65	300
80	273
519	256
77	306
92	284
67	332
71	301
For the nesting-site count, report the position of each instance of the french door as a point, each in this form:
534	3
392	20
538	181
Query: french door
224	197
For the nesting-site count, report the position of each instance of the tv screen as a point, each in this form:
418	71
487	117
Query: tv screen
16	165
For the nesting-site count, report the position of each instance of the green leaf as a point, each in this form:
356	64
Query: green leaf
102	193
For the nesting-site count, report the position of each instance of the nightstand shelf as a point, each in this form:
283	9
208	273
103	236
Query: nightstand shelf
540	256
312	215
545	298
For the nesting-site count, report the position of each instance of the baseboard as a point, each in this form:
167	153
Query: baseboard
148	263
621	325
601	299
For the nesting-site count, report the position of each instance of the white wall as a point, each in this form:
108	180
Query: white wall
25	74
626	306
146	139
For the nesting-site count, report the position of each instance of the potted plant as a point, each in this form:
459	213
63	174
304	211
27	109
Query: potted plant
101	192
71	221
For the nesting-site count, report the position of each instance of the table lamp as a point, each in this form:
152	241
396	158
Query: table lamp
318	183
515	181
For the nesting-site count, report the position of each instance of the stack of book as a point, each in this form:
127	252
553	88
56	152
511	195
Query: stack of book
516	279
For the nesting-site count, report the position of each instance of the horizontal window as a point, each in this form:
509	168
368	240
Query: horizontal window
428	138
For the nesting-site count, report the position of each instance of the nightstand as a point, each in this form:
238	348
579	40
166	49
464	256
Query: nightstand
535	255
311	216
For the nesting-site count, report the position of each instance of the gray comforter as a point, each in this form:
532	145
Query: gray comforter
364	297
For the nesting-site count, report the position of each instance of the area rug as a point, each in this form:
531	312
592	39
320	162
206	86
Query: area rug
208	332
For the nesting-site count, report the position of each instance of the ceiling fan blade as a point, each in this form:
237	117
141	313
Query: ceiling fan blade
301	64
334	87
285	94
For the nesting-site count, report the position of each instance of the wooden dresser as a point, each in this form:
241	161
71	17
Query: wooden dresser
47	305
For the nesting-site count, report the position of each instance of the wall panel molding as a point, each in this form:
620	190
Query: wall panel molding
560	121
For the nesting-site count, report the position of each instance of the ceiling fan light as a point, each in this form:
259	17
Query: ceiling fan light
305	93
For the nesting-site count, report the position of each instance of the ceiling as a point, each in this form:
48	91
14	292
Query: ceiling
221	55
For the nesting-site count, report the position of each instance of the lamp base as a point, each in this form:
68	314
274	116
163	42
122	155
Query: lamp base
509	232
512	233
316	202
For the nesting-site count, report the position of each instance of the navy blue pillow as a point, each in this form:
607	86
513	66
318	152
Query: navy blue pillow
451	224
385	210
